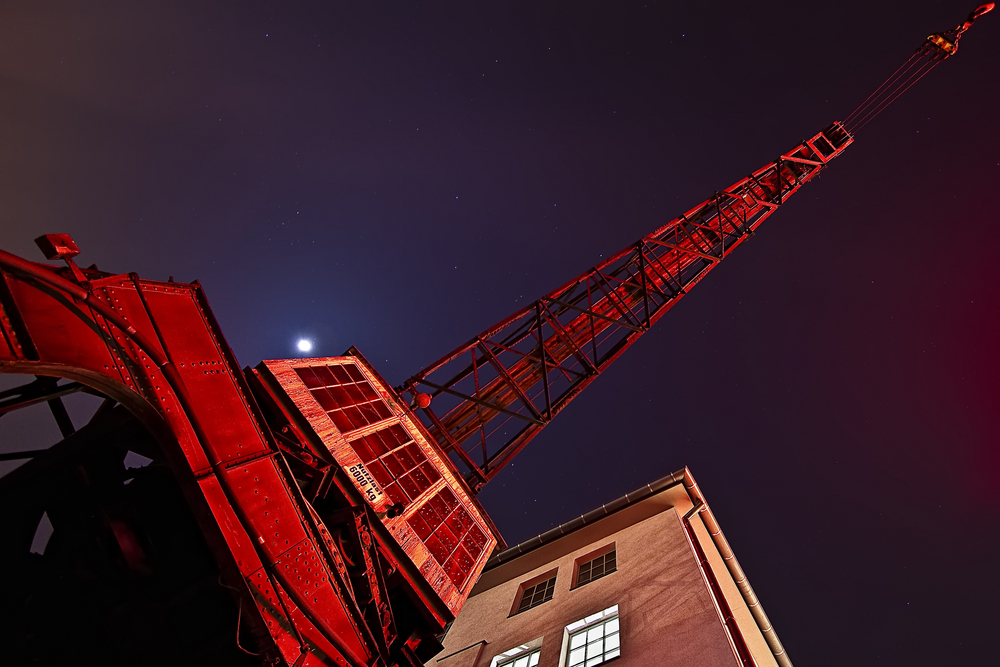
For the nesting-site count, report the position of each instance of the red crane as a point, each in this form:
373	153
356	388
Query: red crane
485	400
300	512
493	394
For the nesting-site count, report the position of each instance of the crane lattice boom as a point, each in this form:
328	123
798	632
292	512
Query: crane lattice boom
495	392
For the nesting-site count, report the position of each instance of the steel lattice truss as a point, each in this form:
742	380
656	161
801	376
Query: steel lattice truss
493	394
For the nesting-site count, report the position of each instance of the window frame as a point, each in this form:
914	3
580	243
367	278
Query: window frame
530	583
505	660
590	557
612	613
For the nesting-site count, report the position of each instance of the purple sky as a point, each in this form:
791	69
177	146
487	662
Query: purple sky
399	179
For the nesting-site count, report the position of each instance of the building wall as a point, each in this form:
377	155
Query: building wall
668	617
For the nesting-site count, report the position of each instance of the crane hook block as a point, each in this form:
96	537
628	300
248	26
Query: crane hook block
946	43
980	10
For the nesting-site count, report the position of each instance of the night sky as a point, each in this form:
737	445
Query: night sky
400	178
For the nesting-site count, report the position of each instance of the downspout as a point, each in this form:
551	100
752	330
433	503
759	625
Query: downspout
736	639
742	583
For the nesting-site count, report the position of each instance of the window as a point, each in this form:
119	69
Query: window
397	463
519	656
532	596
595	568
593	640
345	394
450	533
525	655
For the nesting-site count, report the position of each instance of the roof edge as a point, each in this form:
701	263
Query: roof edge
736	572
629	499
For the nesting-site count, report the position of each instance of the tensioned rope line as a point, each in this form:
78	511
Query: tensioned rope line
934	50
878	107
900	71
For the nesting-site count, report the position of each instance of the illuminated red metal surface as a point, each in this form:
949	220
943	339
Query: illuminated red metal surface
155	348
496	392
493	394
393	463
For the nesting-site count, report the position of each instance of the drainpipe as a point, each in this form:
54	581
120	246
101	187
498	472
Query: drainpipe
736	639
756	610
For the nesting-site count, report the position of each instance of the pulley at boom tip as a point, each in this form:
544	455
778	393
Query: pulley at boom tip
946	43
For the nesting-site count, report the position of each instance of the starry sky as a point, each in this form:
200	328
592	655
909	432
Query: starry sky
400	177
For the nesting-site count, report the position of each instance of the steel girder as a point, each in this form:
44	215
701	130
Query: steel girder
493	394
156	348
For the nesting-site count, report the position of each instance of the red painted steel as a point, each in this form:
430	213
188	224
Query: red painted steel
493	394
156	348
947	41
345	407
496	392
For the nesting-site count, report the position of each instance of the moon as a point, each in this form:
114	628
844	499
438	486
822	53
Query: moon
305	345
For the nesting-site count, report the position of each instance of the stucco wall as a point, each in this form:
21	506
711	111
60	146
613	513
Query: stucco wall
667	614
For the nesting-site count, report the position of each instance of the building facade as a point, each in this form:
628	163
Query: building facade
647	579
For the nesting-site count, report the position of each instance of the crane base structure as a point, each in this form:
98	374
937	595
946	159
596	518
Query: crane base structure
268	528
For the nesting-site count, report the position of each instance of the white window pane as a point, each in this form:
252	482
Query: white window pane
526	660
592	645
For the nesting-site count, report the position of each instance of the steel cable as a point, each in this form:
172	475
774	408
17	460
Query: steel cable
908	63
902	88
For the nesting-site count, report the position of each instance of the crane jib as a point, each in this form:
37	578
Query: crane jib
486	399
493	394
